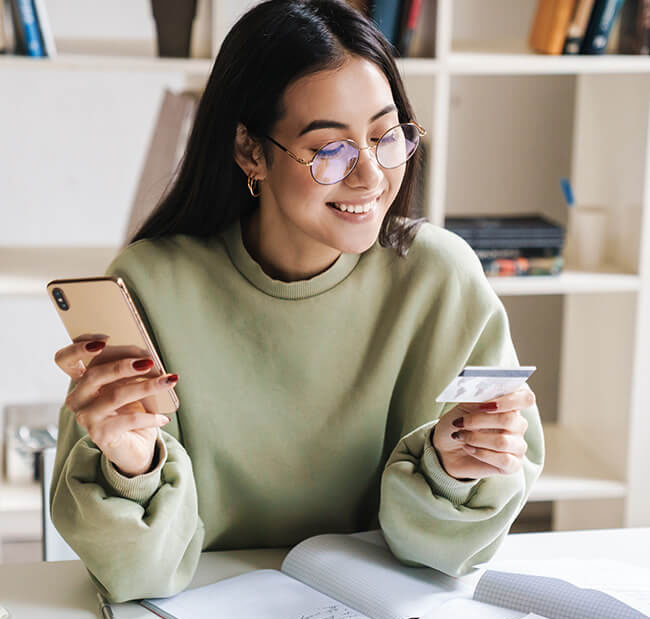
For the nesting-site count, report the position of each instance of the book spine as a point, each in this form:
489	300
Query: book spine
550	25
386	14
45	28
4	46
20	46
578	27
600	25
34	45
635	27
505	267
412	17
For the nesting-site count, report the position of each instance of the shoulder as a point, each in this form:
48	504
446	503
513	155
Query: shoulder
150	256
441	254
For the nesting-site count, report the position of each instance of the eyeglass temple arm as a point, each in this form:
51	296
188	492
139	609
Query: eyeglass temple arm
286	150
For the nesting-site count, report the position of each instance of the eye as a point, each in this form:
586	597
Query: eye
332	149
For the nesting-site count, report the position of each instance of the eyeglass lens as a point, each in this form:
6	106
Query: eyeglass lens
335	161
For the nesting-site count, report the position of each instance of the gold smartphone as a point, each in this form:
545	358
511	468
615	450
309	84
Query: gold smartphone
102	306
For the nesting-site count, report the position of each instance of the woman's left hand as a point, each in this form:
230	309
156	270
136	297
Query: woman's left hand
474	441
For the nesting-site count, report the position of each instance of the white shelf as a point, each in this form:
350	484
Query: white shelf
26	270
567	282
109	62
571	472
20	497
513	57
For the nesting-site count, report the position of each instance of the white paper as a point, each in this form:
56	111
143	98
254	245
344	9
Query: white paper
365	575
263	594
471	609
626	582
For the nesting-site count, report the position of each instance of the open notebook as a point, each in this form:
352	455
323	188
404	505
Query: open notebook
357	577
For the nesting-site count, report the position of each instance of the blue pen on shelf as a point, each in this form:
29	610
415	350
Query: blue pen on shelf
567	191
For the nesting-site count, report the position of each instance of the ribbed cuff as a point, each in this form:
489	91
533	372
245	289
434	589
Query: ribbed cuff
141	487
445	485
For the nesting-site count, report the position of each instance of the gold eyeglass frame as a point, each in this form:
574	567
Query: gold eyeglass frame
421	131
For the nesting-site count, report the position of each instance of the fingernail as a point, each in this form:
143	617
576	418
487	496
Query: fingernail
142	364
488	406
163	419
168	380
455	435
95	346
459	423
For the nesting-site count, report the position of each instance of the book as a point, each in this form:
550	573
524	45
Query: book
634	35
45	28
166	148
4	40
386	14
550	24
26	33
577	26
356	576
323	577
508	232
411	15
506	267
423	39
600	25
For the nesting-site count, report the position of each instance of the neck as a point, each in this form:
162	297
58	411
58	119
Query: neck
280	256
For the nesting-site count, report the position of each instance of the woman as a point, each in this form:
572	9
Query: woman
312	325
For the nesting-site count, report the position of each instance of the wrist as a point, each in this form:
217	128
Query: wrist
441	458
153	463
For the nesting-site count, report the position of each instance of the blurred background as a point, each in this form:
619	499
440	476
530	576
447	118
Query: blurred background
537	153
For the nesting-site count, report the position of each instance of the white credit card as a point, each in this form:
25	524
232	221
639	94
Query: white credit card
478	383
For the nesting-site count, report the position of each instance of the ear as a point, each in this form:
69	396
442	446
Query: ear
248	154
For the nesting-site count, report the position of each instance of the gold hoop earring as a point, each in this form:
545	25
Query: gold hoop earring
252	186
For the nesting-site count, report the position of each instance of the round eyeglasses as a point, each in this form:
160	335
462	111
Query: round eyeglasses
336	160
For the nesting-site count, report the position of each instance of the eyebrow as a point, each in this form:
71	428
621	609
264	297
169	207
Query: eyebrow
333	124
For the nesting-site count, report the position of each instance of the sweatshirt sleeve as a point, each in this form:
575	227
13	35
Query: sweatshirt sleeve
428	517
138	537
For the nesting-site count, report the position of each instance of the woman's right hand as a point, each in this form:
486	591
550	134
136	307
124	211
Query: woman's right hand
106	403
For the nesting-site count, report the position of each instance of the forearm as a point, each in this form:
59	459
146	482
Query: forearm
138	537
430	518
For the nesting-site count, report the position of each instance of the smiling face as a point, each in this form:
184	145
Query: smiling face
351	102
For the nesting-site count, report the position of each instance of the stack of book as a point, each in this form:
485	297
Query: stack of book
591	27
409	25
26	29
509	245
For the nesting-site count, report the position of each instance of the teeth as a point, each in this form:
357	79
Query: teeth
355	208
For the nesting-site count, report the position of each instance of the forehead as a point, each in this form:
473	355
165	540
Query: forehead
353	92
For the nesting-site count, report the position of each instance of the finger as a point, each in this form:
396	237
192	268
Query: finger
495	441
113	427
511	421
507	463
115	396
74	358
98	376
522	398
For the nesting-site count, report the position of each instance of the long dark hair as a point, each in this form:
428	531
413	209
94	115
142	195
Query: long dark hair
271	46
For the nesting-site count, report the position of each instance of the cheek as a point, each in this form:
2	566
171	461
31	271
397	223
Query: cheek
296	187
394	178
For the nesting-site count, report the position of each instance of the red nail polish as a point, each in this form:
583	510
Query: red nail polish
455	435
142	364
95	346
488	406
459	423
172	378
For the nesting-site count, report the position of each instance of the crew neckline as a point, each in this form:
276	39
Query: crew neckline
300	289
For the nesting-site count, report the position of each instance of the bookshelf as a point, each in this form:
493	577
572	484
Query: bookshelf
512	122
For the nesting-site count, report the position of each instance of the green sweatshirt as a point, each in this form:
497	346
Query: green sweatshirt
306	407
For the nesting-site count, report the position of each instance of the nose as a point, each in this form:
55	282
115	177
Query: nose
367	174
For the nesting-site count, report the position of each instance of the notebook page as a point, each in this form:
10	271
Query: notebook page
366	576
591	589
462	608
263	594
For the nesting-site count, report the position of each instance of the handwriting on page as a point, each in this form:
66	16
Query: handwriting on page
333	611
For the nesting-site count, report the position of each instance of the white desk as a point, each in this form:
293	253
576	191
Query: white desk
64	591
